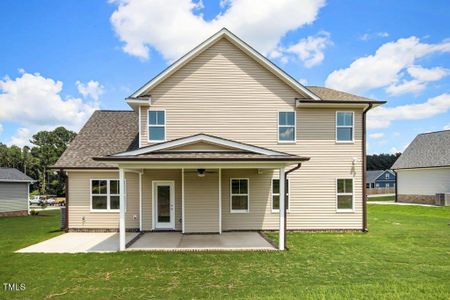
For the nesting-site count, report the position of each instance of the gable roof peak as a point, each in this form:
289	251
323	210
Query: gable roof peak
243	46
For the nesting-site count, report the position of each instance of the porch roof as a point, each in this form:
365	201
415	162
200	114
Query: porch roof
204	156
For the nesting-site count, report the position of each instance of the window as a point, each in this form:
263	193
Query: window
286	126
386	176
367	185
105	194
377	185
344	126
372	185
156	125
344	194
239	195
276	195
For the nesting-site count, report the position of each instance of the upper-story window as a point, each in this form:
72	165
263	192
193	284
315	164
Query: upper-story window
286	126
156	125
344	126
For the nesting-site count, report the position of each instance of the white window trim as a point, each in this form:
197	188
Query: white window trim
288	194
345	126
346	194
295	127
108	197
239	211
148	125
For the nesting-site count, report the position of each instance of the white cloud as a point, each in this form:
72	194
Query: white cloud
381	117
369	36
385	67
35	103
406	86
424	74
421	77
310	49
21	138
1	129
447	127
171	27
92	89
376	135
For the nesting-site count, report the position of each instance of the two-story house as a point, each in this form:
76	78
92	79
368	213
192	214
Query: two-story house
380	179
221	140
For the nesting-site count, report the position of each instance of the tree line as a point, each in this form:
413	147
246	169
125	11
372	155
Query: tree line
34	161
381	161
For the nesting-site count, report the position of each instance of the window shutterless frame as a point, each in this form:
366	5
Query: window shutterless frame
350	210
240	194
294	126
149	138
277	210
107	195
345	126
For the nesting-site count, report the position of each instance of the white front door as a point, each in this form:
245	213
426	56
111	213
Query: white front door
163	205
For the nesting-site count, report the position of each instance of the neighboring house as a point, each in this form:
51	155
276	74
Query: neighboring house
207	146
380	179
14	192
423	169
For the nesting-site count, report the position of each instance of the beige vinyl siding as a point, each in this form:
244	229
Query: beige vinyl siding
224	92
201	202
13	196
80	201
423	181
147	194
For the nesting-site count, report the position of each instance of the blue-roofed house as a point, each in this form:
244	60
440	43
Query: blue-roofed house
380	179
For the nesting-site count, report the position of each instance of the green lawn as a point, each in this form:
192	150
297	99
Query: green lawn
404	256
381	198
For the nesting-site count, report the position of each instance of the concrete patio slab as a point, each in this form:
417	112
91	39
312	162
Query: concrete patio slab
227	241
79	242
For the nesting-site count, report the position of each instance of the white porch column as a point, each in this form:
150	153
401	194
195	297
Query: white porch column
122	209
282	209
182	200
220	200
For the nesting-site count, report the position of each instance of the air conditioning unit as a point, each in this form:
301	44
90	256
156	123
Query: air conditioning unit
447	199
442	199
439	199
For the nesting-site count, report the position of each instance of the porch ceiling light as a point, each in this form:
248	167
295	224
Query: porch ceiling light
201	172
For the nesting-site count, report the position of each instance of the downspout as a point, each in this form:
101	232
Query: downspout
66	202
396	184
364	167
286	202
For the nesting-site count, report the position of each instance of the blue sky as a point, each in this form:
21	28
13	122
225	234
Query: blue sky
60	60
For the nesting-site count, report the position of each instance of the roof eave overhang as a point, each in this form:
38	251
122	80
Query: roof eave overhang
336	104
194	164
135	103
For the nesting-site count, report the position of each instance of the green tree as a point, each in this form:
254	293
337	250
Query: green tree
49	146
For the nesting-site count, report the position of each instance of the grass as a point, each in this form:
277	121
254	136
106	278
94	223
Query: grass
381	198
404	256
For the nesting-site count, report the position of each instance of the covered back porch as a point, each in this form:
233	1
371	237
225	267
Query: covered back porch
204	185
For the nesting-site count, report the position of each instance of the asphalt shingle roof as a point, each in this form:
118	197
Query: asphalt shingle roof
426	150
331	94
11	175
192	156
106	132
372	175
